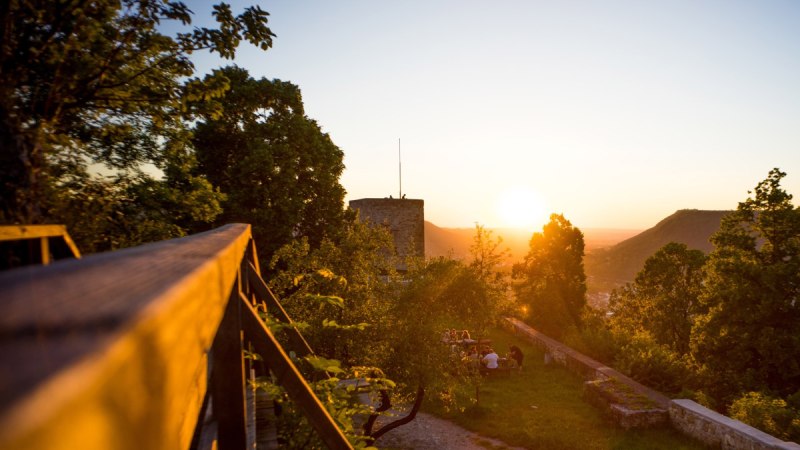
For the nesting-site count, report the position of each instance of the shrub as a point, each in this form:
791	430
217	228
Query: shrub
769	414
652	364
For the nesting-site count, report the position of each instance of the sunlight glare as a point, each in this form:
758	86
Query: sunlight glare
522	208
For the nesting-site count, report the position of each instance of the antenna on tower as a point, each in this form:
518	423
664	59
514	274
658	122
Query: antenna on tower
400	168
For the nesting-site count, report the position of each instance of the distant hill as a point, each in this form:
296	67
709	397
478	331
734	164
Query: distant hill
620	263
455	242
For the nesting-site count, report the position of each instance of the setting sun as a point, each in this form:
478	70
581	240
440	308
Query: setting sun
521	208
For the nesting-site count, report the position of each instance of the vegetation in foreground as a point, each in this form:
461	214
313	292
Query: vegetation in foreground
541	407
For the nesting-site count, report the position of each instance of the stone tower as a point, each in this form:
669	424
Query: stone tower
405	219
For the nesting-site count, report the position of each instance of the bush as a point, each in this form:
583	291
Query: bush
652	364
593	338
769	414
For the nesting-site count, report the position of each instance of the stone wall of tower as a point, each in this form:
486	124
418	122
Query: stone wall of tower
405	219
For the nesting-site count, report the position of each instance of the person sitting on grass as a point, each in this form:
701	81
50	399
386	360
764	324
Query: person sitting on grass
490	361
516	354
466	339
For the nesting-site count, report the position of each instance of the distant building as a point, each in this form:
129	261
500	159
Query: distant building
405	219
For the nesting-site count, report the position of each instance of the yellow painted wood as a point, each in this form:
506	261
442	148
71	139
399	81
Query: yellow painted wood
111	352
14	232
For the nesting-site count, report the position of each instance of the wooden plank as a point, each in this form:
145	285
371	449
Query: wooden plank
290	378
264	293
113	347
16	232
227	379
44	246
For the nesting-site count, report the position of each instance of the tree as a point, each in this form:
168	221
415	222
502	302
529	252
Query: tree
663	300
278	169
352	270
87	83
749	340
551	280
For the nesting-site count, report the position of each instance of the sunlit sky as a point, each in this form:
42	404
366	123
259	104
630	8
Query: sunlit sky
614	113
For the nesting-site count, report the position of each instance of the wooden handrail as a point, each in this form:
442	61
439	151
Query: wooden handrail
114	351
42	244
264	294
290	378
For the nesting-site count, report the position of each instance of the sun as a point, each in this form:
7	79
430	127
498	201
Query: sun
521	208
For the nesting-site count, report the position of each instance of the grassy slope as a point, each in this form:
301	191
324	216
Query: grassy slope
542	408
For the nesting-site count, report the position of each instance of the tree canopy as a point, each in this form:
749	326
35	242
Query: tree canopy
551	281
748	340
664	298
280	172
97	84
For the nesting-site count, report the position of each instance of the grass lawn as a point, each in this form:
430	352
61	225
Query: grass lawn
541	407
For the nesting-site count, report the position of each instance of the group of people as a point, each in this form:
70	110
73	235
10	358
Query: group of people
483	361
452	336
487	360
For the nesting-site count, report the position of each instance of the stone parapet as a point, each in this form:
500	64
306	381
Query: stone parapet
686	416
720	431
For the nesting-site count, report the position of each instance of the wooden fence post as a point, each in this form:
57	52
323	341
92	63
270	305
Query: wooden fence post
228	378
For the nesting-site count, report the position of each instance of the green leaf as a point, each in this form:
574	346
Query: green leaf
326	299
324	364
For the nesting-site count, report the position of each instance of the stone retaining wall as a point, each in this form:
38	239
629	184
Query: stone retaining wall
720	431
686	416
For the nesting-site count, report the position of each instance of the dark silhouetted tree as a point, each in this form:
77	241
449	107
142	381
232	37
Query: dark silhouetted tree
85	83
551	281
663	300
280	172
750	338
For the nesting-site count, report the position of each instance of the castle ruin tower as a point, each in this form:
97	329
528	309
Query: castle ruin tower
405	219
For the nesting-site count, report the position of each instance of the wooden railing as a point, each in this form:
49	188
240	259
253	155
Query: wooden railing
143	349
22	245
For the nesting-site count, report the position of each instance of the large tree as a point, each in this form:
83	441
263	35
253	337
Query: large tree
749	339
551	281
663	299
97	83
278	169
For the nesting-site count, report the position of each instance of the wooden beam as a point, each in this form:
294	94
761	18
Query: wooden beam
44	247
264	293
15	232
290	378
111	351
228	380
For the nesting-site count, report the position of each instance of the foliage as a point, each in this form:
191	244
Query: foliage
663	300
551	280
594	338
748	340
87	84
280	172
343	289
338	395
652	364
417	318
769	414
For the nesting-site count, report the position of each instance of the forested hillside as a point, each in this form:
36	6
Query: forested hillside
455	242
620	263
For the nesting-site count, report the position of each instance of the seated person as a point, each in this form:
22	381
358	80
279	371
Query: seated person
453	335
446	336
472	359
466	339
516	354
490	360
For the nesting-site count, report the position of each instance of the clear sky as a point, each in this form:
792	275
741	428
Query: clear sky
614	113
